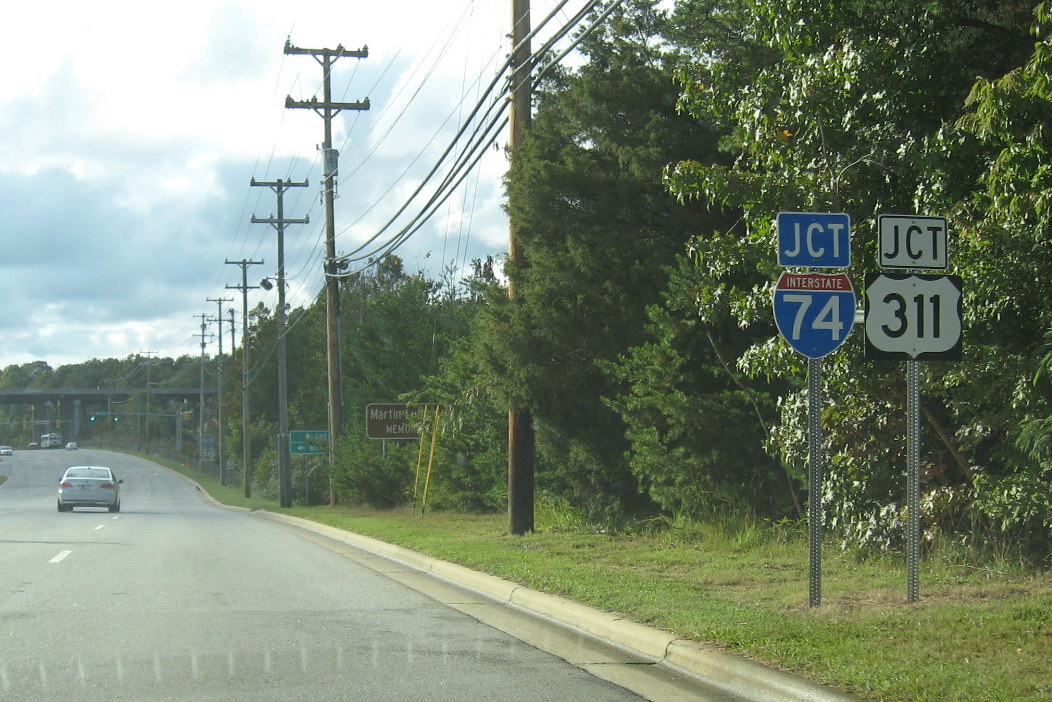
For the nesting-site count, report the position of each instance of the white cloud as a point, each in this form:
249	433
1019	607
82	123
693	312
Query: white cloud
129	132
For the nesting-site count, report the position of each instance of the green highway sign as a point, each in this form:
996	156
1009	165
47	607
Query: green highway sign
308	442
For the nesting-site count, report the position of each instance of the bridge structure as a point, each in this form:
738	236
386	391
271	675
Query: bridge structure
65	410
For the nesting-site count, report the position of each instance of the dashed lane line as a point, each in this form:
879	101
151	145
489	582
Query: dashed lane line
60	556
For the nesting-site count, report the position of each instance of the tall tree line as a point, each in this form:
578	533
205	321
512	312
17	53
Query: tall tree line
644	345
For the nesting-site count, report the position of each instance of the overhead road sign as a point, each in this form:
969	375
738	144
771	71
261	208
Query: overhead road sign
814	239
913	317
912	242
814	311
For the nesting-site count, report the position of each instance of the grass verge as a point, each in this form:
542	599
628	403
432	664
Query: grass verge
978	633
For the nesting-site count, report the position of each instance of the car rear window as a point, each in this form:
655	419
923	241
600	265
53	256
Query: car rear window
103	473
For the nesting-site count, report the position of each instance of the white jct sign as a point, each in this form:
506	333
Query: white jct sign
912	242
913	316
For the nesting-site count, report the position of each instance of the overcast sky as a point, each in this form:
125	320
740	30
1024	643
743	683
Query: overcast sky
130	131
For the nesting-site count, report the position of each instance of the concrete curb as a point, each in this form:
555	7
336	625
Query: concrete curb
753	680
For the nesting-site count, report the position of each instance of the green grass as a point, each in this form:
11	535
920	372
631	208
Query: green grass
977	633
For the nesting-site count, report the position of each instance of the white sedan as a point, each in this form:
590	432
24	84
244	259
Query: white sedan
89	486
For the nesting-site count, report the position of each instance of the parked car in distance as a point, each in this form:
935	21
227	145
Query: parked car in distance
32	445
71	446
6	451
89	486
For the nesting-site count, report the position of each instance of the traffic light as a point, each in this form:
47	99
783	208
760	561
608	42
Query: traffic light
116	418
92	418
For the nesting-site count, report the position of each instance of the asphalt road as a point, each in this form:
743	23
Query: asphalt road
176	599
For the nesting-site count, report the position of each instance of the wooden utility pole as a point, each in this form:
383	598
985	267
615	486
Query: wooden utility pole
148	363
328	109
201	400
284	460
233	330
521	440
220	456
246	440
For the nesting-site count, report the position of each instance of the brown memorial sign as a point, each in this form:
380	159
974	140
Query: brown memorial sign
397	422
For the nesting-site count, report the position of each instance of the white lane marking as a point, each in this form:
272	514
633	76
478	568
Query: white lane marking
60	557
100	526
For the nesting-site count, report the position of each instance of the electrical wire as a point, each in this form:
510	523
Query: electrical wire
470	157
495	102
479	128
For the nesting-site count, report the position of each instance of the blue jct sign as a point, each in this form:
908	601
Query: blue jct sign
814	311
814	239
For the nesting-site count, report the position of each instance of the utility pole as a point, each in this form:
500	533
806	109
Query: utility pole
246	442
521	440
328	109
219	385
201	400
148	364
233	329
284	460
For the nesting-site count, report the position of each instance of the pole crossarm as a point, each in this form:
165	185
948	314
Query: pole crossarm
324	109
338	52
279	184
244	264
284	465
246	440
276	221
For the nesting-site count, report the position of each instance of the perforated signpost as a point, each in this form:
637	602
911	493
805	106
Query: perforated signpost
815	313
913	316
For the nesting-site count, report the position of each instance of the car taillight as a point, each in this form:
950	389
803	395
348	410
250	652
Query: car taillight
106	486
66	485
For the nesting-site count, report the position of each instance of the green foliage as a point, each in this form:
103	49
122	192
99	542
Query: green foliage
596	228
641	337
373	474
470	468
411	344
679	398
859	107
17	422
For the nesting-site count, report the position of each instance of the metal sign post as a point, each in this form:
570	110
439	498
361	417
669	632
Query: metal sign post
912	316
815	470
814	312
913	453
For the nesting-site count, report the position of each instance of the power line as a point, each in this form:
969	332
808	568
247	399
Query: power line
480	139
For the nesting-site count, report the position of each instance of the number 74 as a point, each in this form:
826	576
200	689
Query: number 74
827	318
